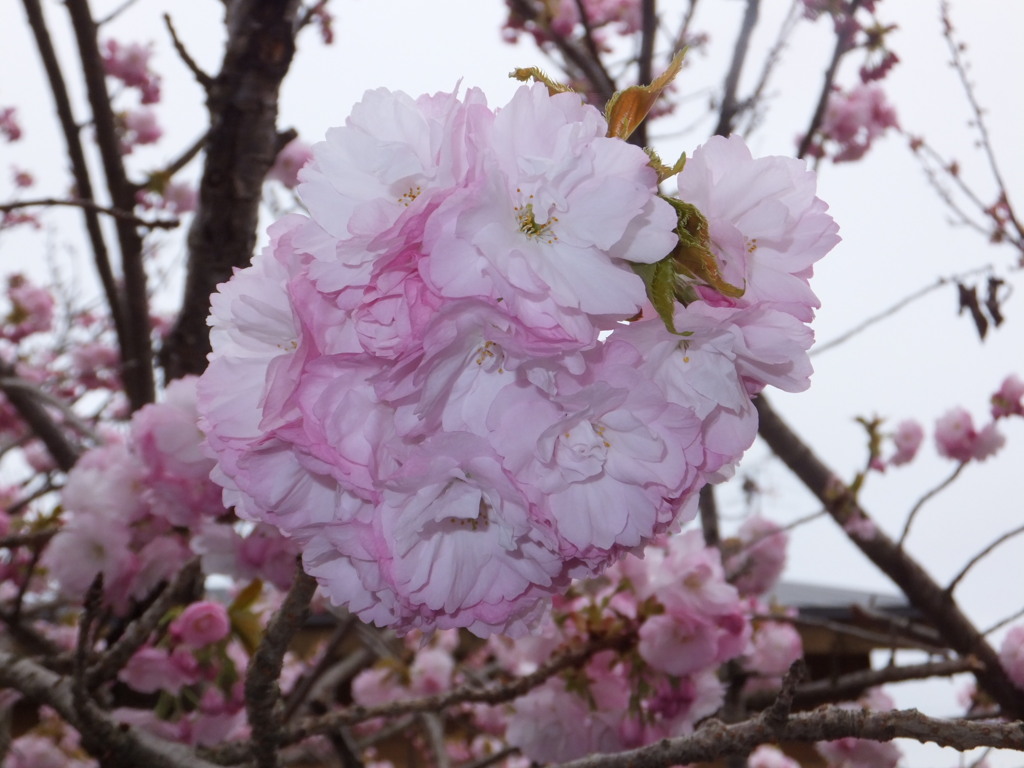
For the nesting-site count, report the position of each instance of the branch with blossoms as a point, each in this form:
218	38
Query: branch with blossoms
715	739
923	592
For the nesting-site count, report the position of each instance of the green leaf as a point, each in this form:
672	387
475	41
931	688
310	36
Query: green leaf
660	280
692	256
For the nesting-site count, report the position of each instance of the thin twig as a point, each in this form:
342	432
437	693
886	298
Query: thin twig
928	497
959	65
849	686
262	692
843	38
201	77
977	558
79	166
730	107
91	205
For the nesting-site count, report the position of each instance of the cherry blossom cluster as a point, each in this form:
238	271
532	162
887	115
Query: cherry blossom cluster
956	435
562	18
139	506
412	383
853	120
678	619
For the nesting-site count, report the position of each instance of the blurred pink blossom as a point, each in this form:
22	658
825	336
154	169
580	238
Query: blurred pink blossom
907	438
1011	655
289	161
201	624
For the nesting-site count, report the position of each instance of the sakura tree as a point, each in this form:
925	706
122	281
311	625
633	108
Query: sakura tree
431	451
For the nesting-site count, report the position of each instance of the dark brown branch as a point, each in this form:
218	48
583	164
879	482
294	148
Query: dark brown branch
730	106
262	692
201	77
843	39
709	516
239	152
714	739
64	452
136	352
850	686
921	590
645	60
91	205
116	745
79	167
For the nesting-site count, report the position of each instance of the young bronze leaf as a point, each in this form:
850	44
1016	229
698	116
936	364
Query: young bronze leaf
627	109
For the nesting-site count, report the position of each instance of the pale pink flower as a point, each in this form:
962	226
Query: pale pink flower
1009	399
774	647
907	439
1011	655
289	161
32	309
957	438
151	670
10	129
756	566
130	64
139	126
201	624
853	120
767	756
767	226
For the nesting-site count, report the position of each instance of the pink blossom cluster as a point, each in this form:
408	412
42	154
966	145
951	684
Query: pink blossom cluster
412	383
957	438
853	120
10	128
195	664
1011	655
689	620
51	743
756	556
130	64
295	154
562	19
134	504
31	309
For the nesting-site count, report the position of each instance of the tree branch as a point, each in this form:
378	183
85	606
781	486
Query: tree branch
262	692
920	589
64	452
730	107
239	152
715	739
136	352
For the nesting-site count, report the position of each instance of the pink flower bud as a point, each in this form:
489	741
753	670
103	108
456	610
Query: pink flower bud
908	437
201	624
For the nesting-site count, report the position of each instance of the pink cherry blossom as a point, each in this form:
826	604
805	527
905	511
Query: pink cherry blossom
957	438
201	624
1009	399
767	756
855	119
289	161
767	226
10	129
907	439
1011	655
760	557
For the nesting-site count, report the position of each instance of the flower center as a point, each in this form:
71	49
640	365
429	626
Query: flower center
529	226
411	194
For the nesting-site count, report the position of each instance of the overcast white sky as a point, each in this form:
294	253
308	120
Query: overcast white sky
896	236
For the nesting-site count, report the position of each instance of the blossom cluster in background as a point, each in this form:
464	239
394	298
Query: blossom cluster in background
429	386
